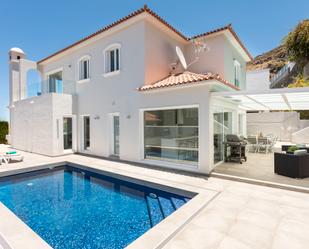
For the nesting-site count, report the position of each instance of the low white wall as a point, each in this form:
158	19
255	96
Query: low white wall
33	123
303	124
280	124
257	80
301	136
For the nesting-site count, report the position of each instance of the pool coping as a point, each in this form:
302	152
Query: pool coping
156	237
261	182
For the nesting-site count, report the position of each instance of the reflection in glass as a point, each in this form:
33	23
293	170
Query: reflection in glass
67	133
116	135
171	135
55	83
222	126
86	132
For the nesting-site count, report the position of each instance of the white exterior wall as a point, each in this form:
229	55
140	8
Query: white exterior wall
280	124
160	52
185	97
147	50
218	105
219	59
34	125
145	57
258	80
301	136
104	95
303	123
231	54
25	66
211	61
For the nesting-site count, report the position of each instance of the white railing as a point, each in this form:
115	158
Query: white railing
44	87
286	69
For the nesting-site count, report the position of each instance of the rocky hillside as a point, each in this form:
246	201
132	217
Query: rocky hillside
273	59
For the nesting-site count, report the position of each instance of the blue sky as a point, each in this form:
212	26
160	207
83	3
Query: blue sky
43	27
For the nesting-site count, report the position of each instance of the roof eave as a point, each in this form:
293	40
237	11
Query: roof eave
226	86
136	13
114	25
228	28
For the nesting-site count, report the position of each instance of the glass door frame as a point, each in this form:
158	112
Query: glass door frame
113	151
162	163
67	132
82	133
234	118
74	139
50	73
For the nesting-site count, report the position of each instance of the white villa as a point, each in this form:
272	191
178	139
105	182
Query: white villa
121	92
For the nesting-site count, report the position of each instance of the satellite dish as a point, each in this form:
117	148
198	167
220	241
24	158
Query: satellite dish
181	57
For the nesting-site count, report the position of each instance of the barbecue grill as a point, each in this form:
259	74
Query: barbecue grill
235	148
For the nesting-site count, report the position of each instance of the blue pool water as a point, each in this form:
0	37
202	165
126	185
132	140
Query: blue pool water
71	208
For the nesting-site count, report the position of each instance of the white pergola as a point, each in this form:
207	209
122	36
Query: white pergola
271	100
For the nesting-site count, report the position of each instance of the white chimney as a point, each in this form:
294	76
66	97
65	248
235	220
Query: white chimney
15	55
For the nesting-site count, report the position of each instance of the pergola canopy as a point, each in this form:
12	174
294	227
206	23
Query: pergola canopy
273	99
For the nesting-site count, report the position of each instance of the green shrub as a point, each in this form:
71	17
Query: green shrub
297	43
4	130
292	149
299	82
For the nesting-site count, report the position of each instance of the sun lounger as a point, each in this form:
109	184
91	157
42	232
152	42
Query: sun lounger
3	159
10	156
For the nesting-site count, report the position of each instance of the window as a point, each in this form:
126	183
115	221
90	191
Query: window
241	124
112	59
86	126
116	135
84	68
223	125
171	135
67	133
237	73
55	84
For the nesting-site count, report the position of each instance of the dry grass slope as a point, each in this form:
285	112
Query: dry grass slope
274	59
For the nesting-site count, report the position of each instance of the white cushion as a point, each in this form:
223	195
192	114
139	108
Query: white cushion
300	152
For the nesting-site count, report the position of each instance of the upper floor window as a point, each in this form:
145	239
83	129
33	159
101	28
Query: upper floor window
237	73
84	68
54	82
112	59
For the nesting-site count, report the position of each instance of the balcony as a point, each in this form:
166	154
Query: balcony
51	86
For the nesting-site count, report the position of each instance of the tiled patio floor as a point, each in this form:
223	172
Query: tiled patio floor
260	167
241	216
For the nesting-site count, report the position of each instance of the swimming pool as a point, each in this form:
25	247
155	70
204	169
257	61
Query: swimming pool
73	208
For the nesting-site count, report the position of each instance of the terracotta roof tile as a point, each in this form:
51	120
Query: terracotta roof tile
186	78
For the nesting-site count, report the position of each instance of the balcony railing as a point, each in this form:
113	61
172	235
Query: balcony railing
286	69
45	87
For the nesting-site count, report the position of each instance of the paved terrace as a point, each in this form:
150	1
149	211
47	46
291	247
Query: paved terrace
259	166
239	216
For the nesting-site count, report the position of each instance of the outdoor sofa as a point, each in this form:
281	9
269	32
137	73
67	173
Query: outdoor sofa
292	165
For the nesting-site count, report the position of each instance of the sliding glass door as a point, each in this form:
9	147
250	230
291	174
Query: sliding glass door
223	122
86	126
218	137
115	135
67	133
171	135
